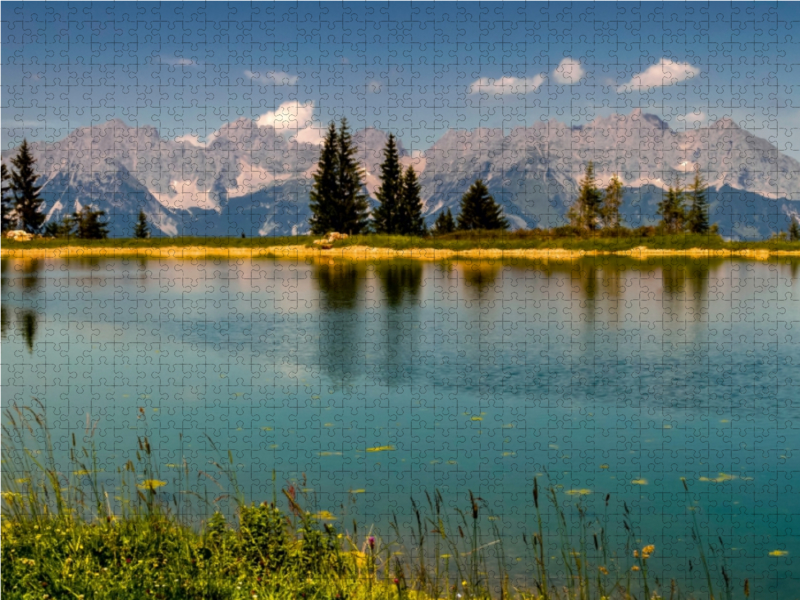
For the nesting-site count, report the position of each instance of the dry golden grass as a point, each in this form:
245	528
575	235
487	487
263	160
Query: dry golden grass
369	253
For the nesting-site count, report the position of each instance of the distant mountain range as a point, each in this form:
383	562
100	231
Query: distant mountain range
256	180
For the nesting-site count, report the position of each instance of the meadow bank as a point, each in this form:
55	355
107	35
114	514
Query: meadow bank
375	247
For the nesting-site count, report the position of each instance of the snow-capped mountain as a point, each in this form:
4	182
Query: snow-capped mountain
254	179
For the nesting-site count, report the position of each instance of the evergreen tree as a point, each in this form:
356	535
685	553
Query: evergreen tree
337	199
585	211
612	200
479	210
324	202
142	228
88	225
794	231
444	223
27	202
672	210
6	200
697	217
353	216
62	229
386	217
410	221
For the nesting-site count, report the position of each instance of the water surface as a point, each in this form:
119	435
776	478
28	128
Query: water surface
601	376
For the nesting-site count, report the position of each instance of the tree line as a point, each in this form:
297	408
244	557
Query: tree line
338	202
682	210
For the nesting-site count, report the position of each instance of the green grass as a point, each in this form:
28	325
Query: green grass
524	239
63	536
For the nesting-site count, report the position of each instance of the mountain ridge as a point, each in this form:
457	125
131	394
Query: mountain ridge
255	179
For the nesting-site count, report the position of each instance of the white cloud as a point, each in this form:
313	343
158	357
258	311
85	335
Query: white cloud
313	134
190	139
506	85
272	77
665	72
289	115
568	70
690	118
374	86
178	61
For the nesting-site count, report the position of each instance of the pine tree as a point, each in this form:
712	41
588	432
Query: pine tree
354	209
386	217
324	201
6	200
444	223
410	220
142	228
672	210
27	202
337	199
794	231
88	225
697	217
479	210
585	211
612	200
60	229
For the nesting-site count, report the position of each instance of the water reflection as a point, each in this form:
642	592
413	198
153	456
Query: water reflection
28	324
342	349
401	282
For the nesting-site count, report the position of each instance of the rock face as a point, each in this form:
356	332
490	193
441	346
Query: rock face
256	180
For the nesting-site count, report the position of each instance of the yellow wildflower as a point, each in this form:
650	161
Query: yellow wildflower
635	568
151	484
603	570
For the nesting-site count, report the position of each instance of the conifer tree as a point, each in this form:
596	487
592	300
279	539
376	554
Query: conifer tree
142	228
794	231
88	225
27	202
410	220
6	200
612	200
697	217
672	210
337	199
444	223
386	216
479	210
60	229
324	202
585	211
353	216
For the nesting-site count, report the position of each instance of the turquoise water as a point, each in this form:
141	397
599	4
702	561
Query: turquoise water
603	376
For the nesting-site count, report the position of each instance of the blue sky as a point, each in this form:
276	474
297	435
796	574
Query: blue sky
416	69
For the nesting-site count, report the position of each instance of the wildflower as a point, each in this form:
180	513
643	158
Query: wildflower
371	542
603	570
396	581
635	554
647	551
635	568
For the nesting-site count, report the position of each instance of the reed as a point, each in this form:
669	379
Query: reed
65	536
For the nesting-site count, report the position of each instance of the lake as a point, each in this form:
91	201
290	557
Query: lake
368	383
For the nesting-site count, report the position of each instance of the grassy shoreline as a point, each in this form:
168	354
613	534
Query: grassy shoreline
372	247
65	536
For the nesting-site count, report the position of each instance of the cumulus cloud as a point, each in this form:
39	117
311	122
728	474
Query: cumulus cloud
271	77
313	134
289	115
568	70
506	85
374	86
665	72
